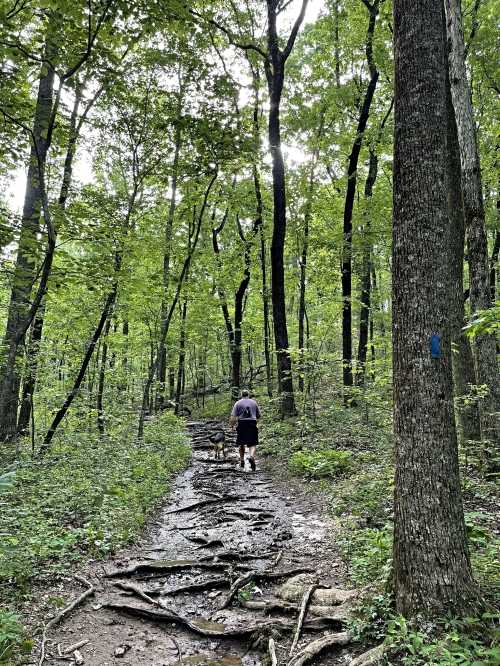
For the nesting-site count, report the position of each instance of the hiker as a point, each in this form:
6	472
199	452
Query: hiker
244	415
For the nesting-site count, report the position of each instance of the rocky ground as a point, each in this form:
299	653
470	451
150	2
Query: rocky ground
221	577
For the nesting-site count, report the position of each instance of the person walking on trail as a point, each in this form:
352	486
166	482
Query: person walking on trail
244	416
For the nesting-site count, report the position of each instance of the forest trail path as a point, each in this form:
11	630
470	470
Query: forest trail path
240	522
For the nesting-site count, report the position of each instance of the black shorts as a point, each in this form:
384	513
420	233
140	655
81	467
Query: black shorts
247	433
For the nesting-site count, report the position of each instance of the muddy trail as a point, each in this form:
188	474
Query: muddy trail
236	569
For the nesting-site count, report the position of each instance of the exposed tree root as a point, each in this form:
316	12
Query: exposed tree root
165	565
235	556
369	658
192	587
256	575
294	589
332	613
205	502
317	646
300	621
65	611
272	653
208	628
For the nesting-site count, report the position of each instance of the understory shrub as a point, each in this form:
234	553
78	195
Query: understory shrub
320	464
12	637
90	494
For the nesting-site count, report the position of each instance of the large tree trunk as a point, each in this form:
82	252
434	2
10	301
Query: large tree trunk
25	266
462	360
352	170
480	295
432	572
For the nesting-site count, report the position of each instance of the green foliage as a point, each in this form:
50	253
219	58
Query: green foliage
368	551
12	637
320	464
89	497
453	642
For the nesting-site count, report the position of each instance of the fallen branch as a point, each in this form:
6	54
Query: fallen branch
331	613
300	621
317	646
75	646
55	620
161	565
256	575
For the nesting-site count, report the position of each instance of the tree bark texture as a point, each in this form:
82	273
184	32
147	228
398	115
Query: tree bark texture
432	572
477	246
25	266
462	360
352	170
275	73
366	271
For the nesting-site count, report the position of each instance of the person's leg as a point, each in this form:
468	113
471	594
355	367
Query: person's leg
242	455
251	452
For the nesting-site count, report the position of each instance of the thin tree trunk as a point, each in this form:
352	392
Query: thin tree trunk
182	359
193	242
303	255
462	359
366	271
102	379
432	572
352	169
259	222
25	266
494	262
275	73
162	352
37	326
480	294
61	413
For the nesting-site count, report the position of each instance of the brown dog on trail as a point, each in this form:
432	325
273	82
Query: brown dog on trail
219	442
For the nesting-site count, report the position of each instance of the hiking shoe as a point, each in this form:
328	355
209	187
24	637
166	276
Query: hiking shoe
252	463
242	463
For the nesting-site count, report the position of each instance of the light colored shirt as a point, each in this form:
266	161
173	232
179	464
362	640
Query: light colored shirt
246	409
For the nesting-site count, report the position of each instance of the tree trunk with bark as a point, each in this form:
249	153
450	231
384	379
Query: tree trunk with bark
366	272
462	360
182	359
352	170
432	572
275	72
25	266
477	246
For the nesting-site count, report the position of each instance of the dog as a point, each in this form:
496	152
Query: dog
219	442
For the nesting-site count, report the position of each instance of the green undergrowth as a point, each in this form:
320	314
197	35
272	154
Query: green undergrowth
346	455
86	498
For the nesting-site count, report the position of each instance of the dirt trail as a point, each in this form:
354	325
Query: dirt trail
219	524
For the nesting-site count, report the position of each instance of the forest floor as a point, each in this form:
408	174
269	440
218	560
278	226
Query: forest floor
161	601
